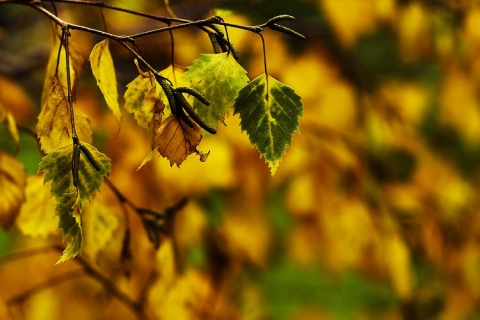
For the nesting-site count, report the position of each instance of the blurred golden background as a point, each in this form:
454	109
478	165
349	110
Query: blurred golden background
372	214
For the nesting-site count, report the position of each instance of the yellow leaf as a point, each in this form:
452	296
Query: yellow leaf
99	224
12	128
398	265
11	124
182	298
57	69
135	95
12	186
153	109
37	215
459	89
414	34
53	127
245	234
345	18
176	140
104	71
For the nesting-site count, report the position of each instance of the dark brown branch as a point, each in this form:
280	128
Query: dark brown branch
73	26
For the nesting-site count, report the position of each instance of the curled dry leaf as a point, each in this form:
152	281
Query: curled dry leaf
12	184
175	140
203	156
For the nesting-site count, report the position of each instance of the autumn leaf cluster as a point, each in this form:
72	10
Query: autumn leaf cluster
372	213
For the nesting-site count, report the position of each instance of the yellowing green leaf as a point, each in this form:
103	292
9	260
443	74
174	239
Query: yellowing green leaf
135	95
153	108
175	140
219	78
104	72
37	218
54	127
57	167
12	186
69	211
269	113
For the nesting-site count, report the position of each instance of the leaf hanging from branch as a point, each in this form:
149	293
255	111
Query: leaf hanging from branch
175	140
57	168
69	212
104	72
36	217
54	128
135	95
12	186
269	113
219	78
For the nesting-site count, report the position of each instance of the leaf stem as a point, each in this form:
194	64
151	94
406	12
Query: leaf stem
65	36
264	59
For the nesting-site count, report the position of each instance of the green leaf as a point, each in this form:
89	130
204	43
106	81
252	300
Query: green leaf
57	168
104	71
269	113
219	78
90	179
69	211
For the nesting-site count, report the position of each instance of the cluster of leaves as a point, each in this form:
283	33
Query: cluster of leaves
372	214
270	113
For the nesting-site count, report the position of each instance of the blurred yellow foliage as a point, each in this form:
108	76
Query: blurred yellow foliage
374	211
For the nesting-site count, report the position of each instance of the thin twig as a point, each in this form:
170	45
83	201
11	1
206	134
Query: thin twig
51	282
66	35
24	254
110	287
73	26
87	269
